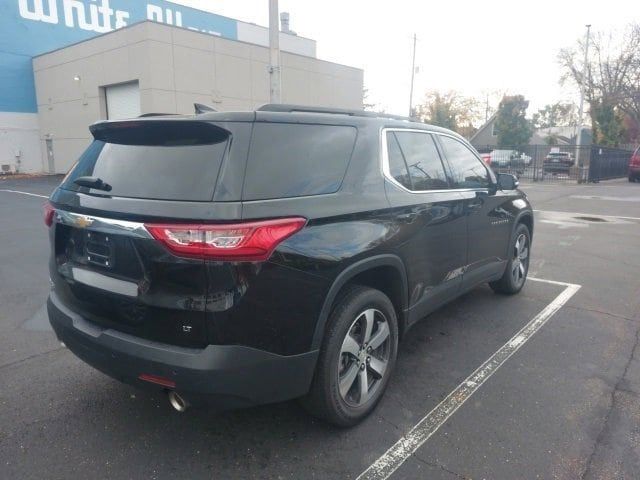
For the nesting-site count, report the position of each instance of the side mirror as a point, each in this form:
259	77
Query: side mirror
506	181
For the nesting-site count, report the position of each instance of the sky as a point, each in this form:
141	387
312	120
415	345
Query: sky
472	47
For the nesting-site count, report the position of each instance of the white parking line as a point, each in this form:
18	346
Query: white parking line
391	460
578	214
23	193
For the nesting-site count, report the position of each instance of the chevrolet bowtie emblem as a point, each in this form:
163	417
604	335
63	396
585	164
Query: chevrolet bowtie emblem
83	222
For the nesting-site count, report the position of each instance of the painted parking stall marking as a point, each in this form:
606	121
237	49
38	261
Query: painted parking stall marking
395	456
23	193
578	214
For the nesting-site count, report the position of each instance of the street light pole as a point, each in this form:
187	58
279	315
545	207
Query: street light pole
584	74
585	70
413	74
275	93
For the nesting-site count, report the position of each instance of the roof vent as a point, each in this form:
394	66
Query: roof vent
284	23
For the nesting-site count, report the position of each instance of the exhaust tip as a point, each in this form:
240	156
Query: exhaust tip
178	403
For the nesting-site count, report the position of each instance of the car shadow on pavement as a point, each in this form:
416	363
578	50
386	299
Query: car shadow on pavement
130	433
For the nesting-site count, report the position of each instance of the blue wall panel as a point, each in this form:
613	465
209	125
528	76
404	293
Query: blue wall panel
32	27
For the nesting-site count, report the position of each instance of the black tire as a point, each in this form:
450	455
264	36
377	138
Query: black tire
513	280
325	400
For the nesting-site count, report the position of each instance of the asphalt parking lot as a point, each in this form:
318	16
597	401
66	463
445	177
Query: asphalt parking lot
564	404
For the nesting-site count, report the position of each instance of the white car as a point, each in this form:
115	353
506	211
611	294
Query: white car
508	158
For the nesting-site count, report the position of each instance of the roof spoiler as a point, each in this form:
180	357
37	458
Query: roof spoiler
159	132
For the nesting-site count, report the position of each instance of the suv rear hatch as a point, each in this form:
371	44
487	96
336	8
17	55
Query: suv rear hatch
106	265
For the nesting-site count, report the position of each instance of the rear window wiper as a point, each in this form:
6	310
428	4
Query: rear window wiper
92	182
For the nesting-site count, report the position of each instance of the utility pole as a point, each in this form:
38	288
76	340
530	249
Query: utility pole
275	94
413	74
486	110
585	71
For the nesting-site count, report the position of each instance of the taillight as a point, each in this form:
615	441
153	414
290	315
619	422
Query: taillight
251	241
47	213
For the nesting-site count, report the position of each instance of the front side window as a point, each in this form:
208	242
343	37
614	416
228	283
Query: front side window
414	161
467	170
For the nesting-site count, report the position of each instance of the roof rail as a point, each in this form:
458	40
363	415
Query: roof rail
156	115
287	108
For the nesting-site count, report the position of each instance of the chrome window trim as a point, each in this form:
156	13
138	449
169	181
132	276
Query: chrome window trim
101	224
384	155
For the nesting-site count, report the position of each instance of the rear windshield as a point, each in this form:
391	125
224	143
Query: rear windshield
293	160
170	171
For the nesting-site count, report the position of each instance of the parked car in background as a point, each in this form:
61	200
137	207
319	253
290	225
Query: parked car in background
285	258
509	159
558	162
634	166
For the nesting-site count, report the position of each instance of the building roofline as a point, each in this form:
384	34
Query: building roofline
135	24
195	32
180	5
484	126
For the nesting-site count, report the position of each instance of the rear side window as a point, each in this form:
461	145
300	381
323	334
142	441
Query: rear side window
414	161
467	170
293	160
397	166
162	169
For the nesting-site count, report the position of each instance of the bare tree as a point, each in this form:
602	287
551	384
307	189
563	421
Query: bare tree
611	80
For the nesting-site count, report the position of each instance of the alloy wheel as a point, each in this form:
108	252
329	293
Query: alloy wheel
520	261
364	357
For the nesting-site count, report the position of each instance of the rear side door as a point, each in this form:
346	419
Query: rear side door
489	220
429	217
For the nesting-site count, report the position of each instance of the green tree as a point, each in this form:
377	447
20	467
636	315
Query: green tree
511	125
609	121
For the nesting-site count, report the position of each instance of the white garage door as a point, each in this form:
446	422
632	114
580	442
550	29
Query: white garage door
123	101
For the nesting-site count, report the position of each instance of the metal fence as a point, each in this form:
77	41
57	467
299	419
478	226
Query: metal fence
607	163
558	163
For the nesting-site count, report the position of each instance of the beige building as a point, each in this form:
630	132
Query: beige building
157	68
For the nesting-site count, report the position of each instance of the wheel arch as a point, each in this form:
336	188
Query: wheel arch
525	218
399	294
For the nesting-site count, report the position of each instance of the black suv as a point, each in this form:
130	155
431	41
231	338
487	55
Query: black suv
242	258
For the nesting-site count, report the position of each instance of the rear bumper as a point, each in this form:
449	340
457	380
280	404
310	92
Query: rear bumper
227	376
557	165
